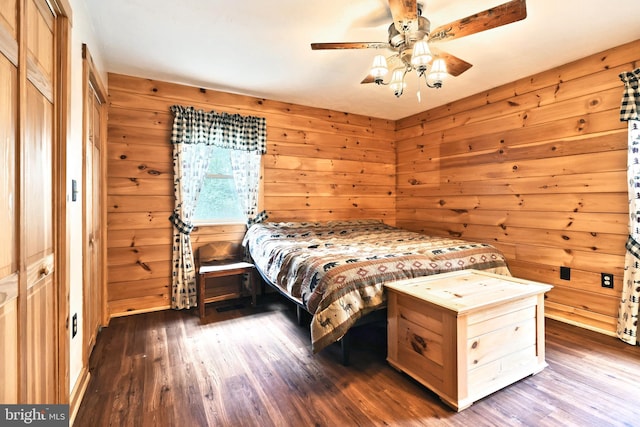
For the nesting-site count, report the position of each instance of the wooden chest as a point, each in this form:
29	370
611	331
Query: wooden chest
466	334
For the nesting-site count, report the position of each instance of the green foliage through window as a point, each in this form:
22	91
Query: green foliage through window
218	200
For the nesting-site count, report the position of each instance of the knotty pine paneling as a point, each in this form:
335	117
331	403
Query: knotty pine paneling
536	167
320	165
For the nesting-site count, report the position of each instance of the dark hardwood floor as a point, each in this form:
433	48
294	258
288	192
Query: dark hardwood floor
254	367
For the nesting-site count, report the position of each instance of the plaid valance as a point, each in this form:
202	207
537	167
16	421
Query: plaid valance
232	131
630	108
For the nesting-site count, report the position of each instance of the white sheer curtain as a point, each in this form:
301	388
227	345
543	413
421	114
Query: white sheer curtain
627	329
190	164
246	177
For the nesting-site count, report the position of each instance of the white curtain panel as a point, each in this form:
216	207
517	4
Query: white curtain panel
627	329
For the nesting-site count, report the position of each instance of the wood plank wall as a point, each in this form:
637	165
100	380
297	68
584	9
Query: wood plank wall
320	165
536	167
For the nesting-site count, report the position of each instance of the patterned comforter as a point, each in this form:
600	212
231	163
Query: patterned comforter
337	269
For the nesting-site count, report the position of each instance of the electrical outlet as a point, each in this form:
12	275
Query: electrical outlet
74	325
565	273
606	280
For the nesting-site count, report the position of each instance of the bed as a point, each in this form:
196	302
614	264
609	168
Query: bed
336	270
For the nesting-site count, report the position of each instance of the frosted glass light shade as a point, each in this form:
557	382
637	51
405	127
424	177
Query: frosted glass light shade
438	72
397	83
421	55
379	66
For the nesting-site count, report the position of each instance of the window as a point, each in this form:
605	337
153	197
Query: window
218	199
193	135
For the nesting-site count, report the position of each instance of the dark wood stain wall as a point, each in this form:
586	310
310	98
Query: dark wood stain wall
320	165
536	167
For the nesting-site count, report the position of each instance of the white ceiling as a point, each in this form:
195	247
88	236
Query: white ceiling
262	48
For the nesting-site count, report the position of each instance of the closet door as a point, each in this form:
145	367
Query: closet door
37	244
93	301
8	200
33	305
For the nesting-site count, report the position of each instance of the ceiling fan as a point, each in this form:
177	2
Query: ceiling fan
410	37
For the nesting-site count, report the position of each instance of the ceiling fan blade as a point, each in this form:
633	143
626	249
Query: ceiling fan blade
377	17
405	14
455	65
349	45
368	79
498	16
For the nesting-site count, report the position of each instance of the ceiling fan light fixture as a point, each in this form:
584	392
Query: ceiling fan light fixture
437	74
379	68
421	56
409	35
397	83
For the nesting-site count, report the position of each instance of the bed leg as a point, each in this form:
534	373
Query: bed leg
299	315
345	346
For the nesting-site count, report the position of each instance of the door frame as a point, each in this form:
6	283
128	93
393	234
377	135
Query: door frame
61	129
91	80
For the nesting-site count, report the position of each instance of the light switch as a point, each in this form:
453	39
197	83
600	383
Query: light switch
74	190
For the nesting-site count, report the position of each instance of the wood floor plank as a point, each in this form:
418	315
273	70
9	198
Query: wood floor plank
253	367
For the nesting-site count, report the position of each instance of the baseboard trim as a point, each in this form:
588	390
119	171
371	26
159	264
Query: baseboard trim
581	325
78	393
141	311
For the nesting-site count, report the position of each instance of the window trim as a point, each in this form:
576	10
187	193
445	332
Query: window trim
208	222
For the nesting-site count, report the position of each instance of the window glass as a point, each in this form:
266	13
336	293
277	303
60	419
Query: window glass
218	200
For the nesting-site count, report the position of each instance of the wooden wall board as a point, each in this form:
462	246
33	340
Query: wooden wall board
138	237
320	165
536	167
205	98
120	186
623	55
120	256
327	189
293	214
144	304
139	288
614	182
138	220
